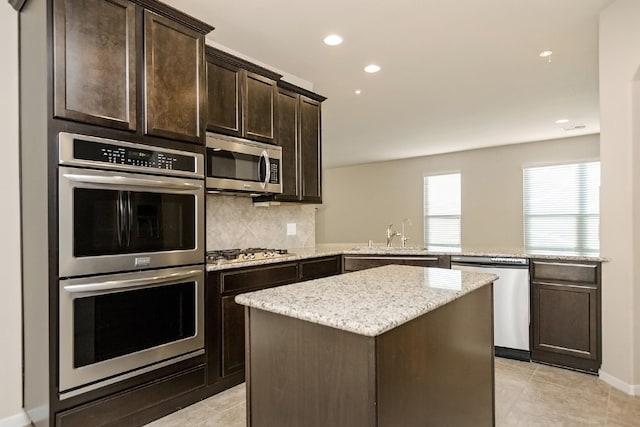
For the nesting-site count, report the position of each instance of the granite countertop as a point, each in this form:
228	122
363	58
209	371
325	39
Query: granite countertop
368	302
496	253
361	249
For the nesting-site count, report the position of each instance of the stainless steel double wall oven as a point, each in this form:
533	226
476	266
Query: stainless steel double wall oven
131	259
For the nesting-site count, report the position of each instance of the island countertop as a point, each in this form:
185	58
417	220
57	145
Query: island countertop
368	302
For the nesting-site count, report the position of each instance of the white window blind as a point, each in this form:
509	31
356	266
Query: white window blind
442	212
562	209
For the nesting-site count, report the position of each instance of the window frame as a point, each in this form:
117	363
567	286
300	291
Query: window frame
580	248
438	246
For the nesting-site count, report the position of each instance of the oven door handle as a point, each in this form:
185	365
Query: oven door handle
129	219
129	283
124	180
120	223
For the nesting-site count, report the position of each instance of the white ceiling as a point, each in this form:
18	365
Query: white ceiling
456	74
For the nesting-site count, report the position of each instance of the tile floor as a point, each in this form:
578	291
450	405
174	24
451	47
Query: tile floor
527	394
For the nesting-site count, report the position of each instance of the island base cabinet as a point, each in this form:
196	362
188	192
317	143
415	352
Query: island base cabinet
436	369
305	374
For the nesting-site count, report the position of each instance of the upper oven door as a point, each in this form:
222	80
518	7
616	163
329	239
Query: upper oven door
117	221
240	165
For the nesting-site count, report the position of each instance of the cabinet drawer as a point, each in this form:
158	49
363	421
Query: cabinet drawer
137	404
552	271
321	267
259	277
353	263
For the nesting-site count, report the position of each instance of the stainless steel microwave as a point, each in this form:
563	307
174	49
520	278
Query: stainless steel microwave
239	166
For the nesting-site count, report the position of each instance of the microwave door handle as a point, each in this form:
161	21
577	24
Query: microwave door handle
125	180
129	283
267	168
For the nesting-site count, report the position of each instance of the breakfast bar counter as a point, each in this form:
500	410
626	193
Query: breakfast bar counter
388	346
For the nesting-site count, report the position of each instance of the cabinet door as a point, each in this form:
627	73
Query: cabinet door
174	80
310	153
95	62
259	107
287	131
232	336
565	320
224	98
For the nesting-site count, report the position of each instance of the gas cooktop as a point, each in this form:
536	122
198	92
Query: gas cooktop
238	255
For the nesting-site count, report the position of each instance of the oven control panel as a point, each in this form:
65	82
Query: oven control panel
108	153
83	150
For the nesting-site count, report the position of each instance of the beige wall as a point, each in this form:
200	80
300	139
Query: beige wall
10	302
360	201
620	201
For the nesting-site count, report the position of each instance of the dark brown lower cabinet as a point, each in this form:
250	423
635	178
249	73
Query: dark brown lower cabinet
225	319
361	262
566	319
138	406
232	336
225	322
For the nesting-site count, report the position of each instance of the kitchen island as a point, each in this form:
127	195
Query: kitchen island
388	346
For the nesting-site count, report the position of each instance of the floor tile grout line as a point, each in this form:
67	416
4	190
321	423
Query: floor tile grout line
606	415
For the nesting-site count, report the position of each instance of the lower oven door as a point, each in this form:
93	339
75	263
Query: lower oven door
118	326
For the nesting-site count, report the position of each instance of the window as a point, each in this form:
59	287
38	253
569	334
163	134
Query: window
442	212
562	209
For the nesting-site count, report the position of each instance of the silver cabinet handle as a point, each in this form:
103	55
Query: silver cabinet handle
124	180
129	283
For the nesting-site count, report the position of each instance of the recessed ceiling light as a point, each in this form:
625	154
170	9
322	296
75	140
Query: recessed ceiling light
561	121
546	53
575	127
357	91
332	40
372	68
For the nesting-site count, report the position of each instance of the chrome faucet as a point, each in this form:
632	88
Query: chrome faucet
404	236
390	235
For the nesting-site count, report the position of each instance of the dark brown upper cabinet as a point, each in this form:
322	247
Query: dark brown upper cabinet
132	65
259	107
174	80
310	151
287	122
241	97
224	97
95	62
298	133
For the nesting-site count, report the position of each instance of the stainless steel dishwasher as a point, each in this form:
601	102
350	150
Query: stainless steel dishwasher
510	301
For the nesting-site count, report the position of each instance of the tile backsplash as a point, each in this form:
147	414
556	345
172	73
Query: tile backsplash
234	222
